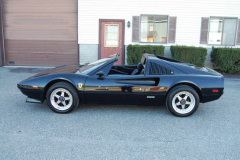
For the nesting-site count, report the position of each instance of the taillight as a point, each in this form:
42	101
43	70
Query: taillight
215	90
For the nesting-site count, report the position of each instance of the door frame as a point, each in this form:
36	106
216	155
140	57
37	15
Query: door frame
123	36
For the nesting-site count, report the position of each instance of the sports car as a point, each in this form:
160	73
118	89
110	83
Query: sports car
153	81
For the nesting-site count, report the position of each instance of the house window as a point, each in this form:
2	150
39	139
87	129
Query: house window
153	28
222	31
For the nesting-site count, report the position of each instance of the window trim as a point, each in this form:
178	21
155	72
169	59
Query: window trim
154	25
222	30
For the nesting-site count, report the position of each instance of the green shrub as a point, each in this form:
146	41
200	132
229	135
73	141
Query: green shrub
135	52
193	55
226	59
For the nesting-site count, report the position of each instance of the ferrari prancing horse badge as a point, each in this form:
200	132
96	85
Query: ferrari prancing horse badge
80	85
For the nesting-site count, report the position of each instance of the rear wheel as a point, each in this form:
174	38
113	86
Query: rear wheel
182	101
62	97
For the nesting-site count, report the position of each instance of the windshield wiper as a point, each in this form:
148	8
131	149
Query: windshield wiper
86	64
80	66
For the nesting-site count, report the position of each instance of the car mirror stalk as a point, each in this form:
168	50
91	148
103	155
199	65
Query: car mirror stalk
100	74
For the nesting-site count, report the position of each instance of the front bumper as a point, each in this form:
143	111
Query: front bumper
32	93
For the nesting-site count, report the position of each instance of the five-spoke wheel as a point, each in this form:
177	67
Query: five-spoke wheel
62	97
182	101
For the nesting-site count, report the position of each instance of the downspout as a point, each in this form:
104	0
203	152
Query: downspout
2	48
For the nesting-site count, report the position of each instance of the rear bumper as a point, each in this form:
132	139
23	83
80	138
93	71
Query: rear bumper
208	98
208	94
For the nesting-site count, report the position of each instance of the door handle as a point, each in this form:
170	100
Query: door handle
102	89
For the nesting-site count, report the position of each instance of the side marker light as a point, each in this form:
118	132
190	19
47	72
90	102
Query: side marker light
35	86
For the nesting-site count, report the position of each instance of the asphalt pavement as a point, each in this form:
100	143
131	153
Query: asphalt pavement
33	131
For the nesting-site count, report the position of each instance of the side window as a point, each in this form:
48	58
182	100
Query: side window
157	69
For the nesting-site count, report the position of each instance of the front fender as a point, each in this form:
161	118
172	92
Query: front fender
37	87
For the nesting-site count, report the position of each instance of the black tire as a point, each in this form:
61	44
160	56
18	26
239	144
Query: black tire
182	101
62	97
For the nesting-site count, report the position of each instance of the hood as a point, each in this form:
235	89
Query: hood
61	69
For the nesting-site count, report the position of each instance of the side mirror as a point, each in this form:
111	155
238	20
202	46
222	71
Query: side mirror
100	74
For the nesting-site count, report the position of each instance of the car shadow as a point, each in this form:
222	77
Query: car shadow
122	108
115	109
83	108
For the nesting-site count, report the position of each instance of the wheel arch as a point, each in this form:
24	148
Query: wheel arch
52	82
192	85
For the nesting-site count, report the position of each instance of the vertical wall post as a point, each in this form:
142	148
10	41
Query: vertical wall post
1	37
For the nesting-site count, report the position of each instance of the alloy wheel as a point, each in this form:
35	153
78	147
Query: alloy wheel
61	99
183	102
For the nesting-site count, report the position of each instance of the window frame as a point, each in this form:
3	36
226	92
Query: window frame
153	27
222	30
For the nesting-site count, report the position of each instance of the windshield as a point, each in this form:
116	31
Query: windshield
91	66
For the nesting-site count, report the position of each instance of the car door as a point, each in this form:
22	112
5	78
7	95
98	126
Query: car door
154	94
123	89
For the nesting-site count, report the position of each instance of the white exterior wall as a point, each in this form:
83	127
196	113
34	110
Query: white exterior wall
188	13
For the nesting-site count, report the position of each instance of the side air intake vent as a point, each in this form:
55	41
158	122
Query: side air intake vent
158	69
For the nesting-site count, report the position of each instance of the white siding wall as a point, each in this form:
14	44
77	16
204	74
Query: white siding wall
188	13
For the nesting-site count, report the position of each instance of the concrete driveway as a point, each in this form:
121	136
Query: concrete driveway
33	131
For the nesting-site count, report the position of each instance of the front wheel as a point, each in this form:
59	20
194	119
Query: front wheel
62	97
182	101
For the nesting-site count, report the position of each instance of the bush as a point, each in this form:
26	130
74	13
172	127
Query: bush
135	52
226	59
193	55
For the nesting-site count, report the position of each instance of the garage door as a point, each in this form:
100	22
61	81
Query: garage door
40	32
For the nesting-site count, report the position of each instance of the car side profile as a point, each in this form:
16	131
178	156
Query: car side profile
154	81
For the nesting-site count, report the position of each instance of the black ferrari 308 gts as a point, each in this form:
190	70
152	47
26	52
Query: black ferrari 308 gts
154	81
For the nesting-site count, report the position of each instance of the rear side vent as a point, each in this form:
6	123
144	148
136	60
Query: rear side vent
158	69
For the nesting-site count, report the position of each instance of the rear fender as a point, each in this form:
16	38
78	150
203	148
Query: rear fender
190	84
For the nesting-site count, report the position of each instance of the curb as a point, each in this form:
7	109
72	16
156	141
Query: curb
229	76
